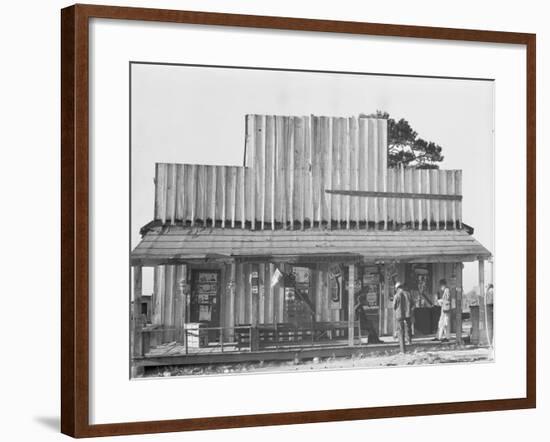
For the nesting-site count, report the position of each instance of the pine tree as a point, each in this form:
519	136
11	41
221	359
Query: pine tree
405	147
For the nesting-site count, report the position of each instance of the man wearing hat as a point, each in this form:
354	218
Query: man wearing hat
402	308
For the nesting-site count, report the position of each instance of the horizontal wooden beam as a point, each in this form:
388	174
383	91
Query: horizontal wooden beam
311	259
414	196
281	354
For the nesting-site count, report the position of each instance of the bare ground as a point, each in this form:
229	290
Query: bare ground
418	356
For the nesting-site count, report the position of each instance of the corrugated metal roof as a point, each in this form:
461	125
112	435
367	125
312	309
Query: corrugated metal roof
176	243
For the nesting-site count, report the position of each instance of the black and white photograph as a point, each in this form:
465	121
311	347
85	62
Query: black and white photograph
276	220
290	220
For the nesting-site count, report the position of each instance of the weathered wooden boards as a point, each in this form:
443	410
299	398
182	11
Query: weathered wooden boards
351	304
173	244
238	304
137	322
290	163
443	210
169	306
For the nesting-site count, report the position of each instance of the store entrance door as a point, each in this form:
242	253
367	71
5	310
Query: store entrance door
370	283
205	302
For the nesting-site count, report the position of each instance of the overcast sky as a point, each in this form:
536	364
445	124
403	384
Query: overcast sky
186	114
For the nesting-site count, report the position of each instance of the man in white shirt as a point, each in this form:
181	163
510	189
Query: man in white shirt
445	318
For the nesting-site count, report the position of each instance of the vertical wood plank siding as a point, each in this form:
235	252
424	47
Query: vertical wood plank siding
239	306
289	163
264	307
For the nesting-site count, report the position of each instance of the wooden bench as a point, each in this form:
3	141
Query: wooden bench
284	333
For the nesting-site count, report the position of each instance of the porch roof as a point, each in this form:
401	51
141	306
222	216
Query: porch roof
173	244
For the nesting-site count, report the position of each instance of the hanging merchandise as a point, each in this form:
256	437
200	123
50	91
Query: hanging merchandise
335	287
276	278
254	283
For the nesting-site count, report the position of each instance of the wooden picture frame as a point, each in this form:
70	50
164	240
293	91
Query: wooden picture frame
75	219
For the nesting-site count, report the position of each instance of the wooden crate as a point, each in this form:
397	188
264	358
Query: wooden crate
197	336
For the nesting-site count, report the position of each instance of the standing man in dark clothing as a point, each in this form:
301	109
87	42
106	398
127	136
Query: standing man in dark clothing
402	308
365	325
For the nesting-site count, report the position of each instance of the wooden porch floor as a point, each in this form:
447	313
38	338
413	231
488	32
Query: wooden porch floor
174	353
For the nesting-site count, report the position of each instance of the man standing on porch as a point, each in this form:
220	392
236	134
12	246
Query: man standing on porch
445	317
402	313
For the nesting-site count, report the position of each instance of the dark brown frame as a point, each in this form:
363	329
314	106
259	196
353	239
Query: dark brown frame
74	219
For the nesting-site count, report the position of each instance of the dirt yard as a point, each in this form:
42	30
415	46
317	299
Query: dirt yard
418	356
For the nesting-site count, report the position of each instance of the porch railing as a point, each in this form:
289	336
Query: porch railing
240	338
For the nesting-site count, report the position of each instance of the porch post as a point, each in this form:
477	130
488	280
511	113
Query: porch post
386	304
490	307
254	294
351	303
181	304
231	301
481	275
458	294
138	320
481	271
187	296
254	303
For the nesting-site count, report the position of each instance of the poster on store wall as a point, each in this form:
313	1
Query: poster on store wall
371	283
254	282
205	312
420	280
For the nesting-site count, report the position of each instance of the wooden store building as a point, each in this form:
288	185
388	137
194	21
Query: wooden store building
278	254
